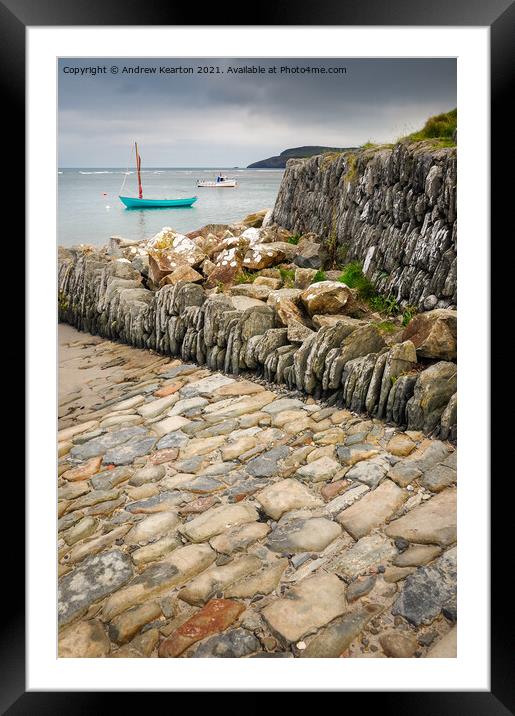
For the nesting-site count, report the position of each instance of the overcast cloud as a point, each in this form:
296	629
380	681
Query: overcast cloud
232	120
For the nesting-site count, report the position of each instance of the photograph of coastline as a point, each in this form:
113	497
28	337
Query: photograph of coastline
257	305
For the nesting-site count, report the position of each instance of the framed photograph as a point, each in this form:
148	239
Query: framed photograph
247	362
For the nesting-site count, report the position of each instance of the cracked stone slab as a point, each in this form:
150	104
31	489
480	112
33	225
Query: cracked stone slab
155	407
373	509
262	582
300	535
171	424
281	404
239	538
267	465
286	495
319	470
153	527
217	520
155	550
350	455
129	451
110	478
206	387
159	502
95	545
97	577
432	522
370	472
216	579
126	625
368	552
313	603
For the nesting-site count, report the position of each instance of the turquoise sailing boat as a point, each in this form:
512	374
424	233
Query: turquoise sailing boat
141	203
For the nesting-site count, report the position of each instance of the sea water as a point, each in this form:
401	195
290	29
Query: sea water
89	210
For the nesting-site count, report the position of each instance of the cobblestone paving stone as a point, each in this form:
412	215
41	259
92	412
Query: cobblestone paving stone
207	516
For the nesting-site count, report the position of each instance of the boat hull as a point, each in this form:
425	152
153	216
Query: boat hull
133	203
217	185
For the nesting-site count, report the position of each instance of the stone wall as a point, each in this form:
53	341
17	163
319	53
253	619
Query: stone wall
348	365
391	208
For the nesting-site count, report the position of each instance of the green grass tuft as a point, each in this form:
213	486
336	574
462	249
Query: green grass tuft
386	326
407	314
319	276
294	239
353	277
385	304
245	277
288	277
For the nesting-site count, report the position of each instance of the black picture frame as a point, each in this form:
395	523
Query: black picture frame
499	16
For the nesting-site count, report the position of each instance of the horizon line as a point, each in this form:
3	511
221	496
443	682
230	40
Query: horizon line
200	166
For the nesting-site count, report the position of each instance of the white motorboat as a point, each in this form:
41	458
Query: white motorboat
218	183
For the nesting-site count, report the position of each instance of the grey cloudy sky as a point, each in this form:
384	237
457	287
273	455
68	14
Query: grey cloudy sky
227	119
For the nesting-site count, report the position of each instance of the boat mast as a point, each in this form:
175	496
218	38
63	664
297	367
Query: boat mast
138	167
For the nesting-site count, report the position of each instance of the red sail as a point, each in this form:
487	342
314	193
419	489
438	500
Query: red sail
138	167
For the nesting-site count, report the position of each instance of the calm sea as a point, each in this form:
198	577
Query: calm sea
89	210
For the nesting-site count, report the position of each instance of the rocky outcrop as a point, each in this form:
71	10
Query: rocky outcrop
391	208
348	363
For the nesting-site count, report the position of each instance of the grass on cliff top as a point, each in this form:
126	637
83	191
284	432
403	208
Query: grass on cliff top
440	128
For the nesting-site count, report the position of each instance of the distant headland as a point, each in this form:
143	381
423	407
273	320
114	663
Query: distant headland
279	162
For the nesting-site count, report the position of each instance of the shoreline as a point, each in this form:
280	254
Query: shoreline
244	297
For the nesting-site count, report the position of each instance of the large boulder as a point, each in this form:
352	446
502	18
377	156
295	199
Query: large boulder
327	297
434	388
361	342
255	220
434	334
308	252
260	256
288	311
